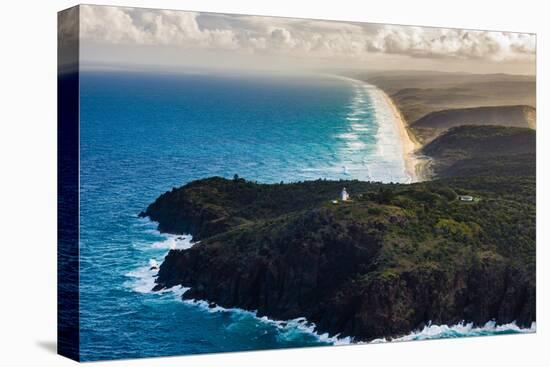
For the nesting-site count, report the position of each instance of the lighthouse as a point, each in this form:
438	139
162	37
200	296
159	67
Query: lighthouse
344	196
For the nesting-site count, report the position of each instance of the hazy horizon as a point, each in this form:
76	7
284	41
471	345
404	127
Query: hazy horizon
150	39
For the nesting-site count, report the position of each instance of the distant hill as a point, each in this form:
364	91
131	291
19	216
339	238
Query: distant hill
483	151
394	81
518	116
420	93
434	123
416	102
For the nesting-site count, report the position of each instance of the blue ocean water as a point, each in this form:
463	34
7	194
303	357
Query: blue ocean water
142	134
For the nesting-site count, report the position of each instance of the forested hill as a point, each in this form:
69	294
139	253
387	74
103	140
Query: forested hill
392	259
483	151
518	116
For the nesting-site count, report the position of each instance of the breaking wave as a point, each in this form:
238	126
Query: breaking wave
371	147
142	280
431	331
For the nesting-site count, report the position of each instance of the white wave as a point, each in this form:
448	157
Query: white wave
348	136
356	112
142	279
180	242
389	147
431	331
362	128
372	147
287	329
356	145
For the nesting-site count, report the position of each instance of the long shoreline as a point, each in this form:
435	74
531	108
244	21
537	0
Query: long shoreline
415	166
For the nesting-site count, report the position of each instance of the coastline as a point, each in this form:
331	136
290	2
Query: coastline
415	166
181	268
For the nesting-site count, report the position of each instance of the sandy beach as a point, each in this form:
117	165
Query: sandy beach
415	165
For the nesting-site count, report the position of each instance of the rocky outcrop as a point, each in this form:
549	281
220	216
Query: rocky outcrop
374	267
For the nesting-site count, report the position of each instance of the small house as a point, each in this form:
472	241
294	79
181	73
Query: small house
466	198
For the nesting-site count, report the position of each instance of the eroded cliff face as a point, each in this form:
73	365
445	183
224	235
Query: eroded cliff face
379	266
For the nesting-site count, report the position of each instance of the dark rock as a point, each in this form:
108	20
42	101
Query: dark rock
158	287
352	270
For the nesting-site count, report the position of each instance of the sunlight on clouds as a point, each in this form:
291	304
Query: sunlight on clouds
297	38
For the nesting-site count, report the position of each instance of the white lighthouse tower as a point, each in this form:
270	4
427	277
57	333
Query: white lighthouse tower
344	196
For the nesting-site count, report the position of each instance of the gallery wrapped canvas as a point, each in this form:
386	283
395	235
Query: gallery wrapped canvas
238	182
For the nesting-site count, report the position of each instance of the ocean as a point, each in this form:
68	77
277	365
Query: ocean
143	133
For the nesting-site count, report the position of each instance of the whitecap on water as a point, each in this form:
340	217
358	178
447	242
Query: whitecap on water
348	136
356	145
287	330
180	242
372	130
431	331
142	279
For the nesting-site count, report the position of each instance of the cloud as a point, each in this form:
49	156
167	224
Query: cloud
296	37
452	43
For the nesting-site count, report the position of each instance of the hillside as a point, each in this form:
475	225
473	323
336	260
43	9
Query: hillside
393	81
483	150
396	256
434	123
391	260
420	93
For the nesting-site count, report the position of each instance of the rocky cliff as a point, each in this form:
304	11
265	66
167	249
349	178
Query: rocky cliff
391	260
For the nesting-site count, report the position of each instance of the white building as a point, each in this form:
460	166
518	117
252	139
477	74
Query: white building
466	198
344	196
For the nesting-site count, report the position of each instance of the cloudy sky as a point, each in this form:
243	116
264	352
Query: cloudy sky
181	39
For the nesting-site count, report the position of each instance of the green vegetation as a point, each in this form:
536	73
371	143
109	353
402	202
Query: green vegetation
420	93
484	151
395	256
432	102
392	258
431	125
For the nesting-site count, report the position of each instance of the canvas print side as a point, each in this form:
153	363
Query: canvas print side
68	316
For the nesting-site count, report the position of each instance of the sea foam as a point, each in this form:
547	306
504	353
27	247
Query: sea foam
142	280
372	147
287	329
432	331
